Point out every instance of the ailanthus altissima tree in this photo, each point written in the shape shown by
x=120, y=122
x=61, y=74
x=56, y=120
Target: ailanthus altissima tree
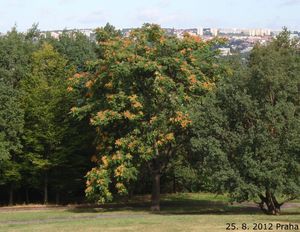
x=136, y=96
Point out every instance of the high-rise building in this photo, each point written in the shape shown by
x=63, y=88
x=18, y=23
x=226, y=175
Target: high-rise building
x=200, y=31
x=214, y=31
x=259, y=32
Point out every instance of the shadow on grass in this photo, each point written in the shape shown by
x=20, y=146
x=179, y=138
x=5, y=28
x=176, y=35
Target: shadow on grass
x=183, y=206
x=111, y=207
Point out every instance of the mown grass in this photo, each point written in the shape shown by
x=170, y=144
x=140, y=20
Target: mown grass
x=179, y=212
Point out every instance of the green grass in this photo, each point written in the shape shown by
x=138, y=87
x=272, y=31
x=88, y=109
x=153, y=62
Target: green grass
x=179, y=212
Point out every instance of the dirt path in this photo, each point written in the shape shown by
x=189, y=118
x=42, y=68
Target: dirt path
x=291, y=205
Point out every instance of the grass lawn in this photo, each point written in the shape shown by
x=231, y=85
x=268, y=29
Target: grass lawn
x=180, y=212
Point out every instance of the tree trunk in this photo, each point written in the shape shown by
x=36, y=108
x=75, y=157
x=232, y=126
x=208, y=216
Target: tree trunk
x=11, y=194
x=269, y=204
x=57, y=196
x=46, y=188
x=130, y=194
x=27, y=196
x=155, y=198
x=174, y=184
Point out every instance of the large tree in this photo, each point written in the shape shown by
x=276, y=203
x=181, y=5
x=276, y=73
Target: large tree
x=136, y=96
x=15, y=52
x=78, y=50
x=247, y=133
x=45, y=104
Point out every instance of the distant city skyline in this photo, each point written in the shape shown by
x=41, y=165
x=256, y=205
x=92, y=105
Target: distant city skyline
x=61, y=14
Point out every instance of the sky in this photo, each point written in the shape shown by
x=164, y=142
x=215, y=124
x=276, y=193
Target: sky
x=69, y=14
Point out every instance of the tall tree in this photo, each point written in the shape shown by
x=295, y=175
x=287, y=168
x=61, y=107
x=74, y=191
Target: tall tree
x=15, y=52
x=45, y=114
x=247, y=133
x=78, y=50
x=74, y=49
x=136, y=96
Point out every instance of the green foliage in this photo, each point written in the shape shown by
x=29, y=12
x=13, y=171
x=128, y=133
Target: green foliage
x=45, y=113
x=76, y=48
x=54, y=143
x=11, y=119
x=15, y=52
x=136, y=96
x=14, y=65
x=247, y=132
x=141, y=100
x=106, y=33
x=11, y=127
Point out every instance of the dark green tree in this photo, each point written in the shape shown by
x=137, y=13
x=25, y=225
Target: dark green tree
x=15, y=63
x=15, y=54
x=11, y=127
x=75, y=47
x=248, y=131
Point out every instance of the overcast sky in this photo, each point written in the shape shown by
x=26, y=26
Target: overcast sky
x=60, y=14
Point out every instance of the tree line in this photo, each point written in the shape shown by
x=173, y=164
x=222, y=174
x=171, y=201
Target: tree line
x=147, y=113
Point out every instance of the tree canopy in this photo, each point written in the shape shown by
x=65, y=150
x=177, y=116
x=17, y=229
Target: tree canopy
x=136, y=96
x=248, y=130
x=146, y=112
